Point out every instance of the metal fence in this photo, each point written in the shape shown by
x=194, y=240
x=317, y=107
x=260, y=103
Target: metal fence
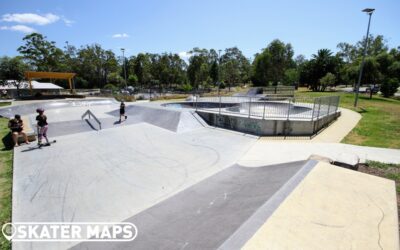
x=303, y=108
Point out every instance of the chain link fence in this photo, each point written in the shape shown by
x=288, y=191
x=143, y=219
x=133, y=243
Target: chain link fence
x=303, y=108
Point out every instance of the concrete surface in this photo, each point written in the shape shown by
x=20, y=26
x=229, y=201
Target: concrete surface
x=274, y=152
x=113, y=174
x=333, y=208
x=338, y=130
x=206, y=214
x=162, y=165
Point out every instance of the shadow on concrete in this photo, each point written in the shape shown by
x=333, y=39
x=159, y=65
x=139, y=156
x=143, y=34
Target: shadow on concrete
x=90, y=124
x=31, y=149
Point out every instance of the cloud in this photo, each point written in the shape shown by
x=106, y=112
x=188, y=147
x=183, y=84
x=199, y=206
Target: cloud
x=19, y=28
x=30, y=18
x=184, y=55
x=67, y=21
x=122, y=35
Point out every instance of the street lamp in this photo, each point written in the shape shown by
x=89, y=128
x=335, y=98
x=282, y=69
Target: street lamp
x=219, y=70
x=369, y=12
x=123, y=58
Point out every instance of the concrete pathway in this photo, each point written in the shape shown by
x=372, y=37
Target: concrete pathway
x=338, y=130
x=273, y=152
x=335, y=132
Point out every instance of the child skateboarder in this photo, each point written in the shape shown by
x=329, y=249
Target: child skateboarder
x=17, y=126
x=42, y=127
x=122, y=112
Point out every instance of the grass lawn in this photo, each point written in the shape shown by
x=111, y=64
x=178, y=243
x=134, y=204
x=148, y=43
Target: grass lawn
x=6, y=161
x=380, y=123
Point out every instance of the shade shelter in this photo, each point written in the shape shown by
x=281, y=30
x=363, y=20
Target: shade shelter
x=49, y=75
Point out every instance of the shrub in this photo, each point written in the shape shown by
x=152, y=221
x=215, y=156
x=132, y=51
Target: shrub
x=125, y=98
x=110, y=86
x=389, y=87
x=187, y=87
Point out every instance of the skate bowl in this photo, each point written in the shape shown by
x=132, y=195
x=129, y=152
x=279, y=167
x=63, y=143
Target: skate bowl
x=65, y=117
x=264, y=117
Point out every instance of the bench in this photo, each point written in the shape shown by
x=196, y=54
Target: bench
x=28, y=130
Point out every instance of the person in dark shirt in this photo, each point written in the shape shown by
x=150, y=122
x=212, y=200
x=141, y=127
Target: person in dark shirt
x=42, y=126
x=122, y=111
x=17, y=128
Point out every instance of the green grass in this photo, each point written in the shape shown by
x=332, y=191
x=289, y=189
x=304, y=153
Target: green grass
x=389, y=171
x=6, y=162
x=380, y=122
x=4, y=104
x=381, y=165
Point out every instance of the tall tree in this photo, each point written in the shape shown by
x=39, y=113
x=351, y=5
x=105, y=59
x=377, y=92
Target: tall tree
x=271, y=64
x=40, y=53
x=235, y=67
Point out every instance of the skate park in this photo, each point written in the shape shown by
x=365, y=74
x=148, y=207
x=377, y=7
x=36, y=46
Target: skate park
x=181, y=181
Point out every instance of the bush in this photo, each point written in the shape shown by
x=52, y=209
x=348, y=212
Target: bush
x=125, y=98
x=110, y=86
x=389, y=87
x=187, y=87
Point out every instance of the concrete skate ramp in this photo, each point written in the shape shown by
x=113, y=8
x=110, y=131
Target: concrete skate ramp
x=173, y=120
x=205, y=215
x=30, y=108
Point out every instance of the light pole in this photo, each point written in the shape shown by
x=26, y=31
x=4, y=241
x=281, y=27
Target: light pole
x=123, y=58
x=219, y=70
x=369, y=12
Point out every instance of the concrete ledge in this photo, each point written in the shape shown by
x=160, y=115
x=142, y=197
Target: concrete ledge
x=333, y=208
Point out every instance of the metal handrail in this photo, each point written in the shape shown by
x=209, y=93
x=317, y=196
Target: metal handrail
x=90, y=113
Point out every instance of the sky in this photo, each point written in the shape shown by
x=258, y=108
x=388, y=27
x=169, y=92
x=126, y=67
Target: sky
x=177, y=26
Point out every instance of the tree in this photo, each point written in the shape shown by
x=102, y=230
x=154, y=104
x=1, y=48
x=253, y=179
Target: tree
x=142, y=68
x=214, y=72
x=198, y=68
x=328, y=80
x=389, y=87
x=40, y=53
x=12, y=71
x=321, y=63
x=234, y=66
x=270, y=65
x=95, y=64
x=291, y=76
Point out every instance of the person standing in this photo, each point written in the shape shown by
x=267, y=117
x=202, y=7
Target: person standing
x=17, y=128
x=42, y=126
x=122, y=112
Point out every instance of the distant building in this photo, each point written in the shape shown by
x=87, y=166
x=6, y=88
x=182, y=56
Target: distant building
x=9, y=89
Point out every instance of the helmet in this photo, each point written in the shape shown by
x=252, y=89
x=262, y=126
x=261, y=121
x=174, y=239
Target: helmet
x=17, y=117
x=39, y=110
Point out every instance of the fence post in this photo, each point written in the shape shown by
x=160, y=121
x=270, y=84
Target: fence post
x=288, y=110
x=220, y=104
x=337, y=103
x=249, y=106
x=319, y=107
x=195, y=98
x=264, y=109
x=313, y=109
x=329, y=104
